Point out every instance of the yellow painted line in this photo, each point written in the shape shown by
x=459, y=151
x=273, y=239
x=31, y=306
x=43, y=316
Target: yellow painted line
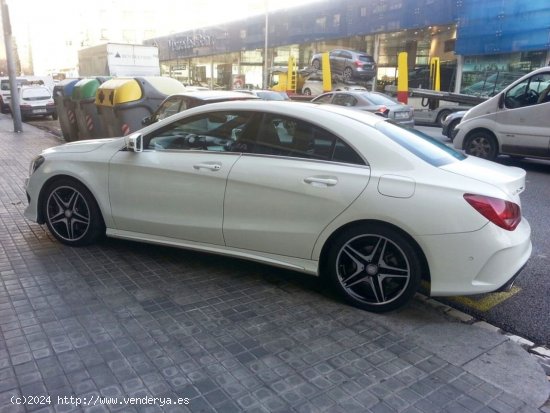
x=486, y=303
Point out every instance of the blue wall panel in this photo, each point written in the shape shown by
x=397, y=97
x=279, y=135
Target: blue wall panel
x=503, y=26
x=484, y=26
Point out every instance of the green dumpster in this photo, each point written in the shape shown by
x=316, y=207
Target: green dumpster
x=87, y=118
x=62, y=93
x=123, y=102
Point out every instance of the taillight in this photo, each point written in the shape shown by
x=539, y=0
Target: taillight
x=503, y=213
x=382, y=110
x=358, y=63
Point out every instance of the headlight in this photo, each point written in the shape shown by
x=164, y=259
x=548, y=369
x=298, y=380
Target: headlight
x=35, y=164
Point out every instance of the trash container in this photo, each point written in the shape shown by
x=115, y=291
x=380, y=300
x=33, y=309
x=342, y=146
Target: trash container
x=62, y=93
x=87, y=118
x=122, y=103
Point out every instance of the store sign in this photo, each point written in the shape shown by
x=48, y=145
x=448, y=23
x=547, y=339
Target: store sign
x=191, y=42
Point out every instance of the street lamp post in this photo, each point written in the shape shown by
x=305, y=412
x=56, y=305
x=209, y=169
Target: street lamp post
x=266, y=78
x=10, y=58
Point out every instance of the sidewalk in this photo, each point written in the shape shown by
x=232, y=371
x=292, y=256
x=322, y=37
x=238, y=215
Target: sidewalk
x=163, y=326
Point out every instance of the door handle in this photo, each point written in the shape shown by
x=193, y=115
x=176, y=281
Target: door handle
x=213, y=166
x=321, y=180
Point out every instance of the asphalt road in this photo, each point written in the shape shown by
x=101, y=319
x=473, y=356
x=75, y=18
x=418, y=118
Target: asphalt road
x=525, y=310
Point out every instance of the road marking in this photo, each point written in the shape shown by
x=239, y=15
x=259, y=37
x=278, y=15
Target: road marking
x=487, y=302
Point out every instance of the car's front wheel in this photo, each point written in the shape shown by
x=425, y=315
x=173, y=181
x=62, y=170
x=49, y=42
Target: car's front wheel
x=481, y=144
x=307, y=91
x=316, y=64
x=374, y=267
x=71, y=213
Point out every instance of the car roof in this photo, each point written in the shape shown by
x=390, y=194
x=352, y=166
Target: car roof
x=214, y=95
x=304, y=110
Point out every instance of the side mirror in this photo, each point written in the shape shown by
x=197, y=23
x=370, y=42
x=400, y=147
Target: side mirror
x=146, y=121
x=134, y=142
x=501, y=101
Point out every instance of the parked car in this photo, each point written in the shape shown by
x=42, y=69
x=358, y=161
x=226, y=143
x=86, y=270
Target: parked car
x=514, y=122
x=350, y=64
x=36, y=101
x=314, y=87
x=324, y=190
x=450, y=123
x=374, y=102
x=266, y=94
x=181, y=101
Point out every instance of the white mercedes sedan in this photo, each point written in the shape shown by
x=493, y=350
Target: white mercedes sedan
x=325, y=190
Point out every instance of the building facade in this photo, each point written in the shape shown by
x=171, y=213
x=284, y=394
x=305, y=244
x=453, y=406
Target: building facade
x=473, y=40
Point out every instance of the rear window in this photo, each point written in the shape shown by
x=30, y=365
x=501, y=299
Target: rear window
x=39, y=93
x=425, y=147
x=377, y=99
x=365, y=58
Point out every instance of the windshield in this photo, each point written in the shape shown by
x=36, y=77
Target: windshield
x=425, y=147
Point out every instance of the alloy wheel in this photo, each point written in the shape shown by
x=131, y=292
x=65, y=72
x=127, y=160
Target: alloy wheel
x=68, y=213
x=373, y=269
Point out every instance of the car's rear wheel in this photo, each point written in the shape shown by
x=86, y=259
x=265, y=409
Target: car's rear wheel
x=441, y=117
x=481, y=144
x=307, y=91
x=71, y=213
x=374, y=267
x=347, y=74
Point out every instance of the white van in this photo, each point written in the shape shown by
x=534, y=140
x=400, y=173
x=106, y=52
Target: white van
x=5, y=91
x=515, y=122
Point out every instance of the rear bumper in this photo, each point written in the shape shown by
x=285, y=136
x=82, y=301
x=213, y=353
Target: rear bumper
x=476, y=262
x=38, y=111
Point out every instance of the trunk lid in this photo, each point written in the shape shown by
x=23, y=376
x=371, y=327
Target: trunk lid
x=509, y=179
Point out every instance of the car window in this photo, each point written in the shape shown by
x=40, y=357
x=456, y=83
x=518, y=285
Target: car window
x=378, y=99
x=365, y=58
x=345, y=55
x=531, y=91
x=169, y=108
x=426, y=148
x=286, y=136
x=323, y=98
x=213, y=131
x=343, y=99
x=35, y=93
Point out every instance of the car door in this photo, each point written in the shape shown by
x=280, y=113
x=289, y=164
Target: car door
x=524, y=123
x=294, y=180
x=335, y=61
x=175, y=187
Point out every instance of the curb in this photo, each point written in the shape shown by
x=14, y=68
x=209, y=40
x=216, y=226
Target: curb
x=541, y=353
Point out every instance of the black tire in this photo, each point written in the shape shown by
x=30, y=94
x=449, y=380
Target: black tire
x=307, y=91
x=71, y=213
x=316, y=64
x=347, y=74
x=452, y=127
x=373, y=267
x=481, y=144
x=441, y=116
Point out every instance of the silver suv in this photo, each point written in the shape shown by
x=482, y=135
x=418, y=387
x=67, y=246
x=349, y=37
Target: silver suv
x=350, y=64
